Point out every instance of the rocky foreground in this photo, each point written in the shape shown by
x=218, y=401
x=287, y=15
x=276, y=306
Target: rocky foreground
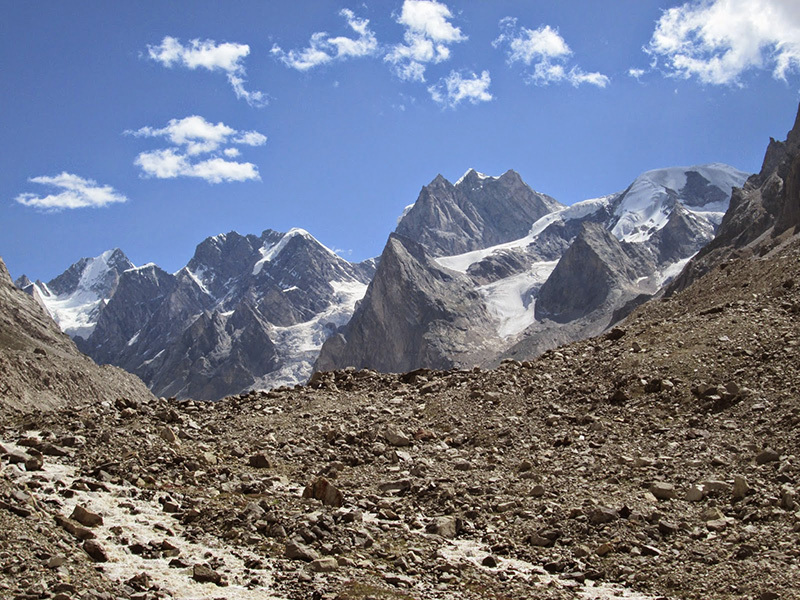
x=657, y=461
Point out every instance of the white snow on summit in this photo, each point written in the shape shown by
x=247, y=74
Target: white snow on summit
x=76, y=313
x=646, y=205
x=270, y=251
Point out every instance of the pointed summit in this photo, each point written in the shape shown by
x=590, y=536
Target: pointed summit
x=478, y=212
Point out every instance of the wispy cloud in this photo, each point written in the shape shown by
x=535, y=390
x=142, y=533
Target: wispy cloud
x=73, y=191
x=547, y=52
x=322, y=48
x=427, y=38
x=718, y=41
x=455, y=88
x=207, y=54
x=192, y=137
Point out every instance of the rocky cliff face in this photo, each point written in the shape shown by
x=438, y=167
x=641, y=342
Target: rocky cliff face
x=596, y=269
x=415, y=313
x=764, y=210
x=476, y=212
x=40, y=367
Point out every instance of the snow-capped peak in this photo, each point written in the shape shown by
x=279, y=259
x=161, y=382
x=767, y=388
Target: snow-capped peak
x=645, y=206
x=75, y=309
x=270, y=251
x=473, y=172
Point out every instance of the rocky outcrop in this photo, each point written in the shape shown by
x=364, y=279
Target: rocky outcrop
x=41, y=368
x=595, y=272
x=763, y=210
x=414, y=314
x=477, y=212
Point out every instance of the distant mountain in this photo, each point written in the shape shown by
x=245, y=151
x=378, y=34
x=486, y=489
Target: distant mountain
x=40, y=367
x=77, y=296
x=246, y=311
x=476, y=212
x=475, y=271
x=569, y=273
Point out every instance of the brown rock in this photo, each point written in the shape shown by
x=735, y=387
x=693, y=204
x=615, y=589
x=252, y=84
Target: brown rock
x=324, y=491
x=86, y=517
x=204, y=574
x=95, y=551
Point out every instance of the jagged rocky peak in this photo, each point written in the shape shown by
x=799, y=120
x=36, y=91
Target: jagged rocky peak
x=766, y=207
x=414, y=314
x=99, y=274
x=589, y=273
x=477, y=212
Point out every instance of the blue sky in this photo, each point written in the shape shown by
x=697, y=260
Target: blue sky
x=151, y=125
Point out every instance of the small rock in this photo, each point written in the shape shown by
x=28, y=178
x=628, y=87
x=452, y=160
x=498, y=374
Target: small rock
x=260, y=461
x=695, y=493
x=716, y=524
x=603, y=514
x=604, y=549
x=489, y=561
x=767, y=456
x=396, y=437
x=667, y=527
x=204, y=574
x=663, y=491
x=325, y=564
x=324, y=491
x=716, y=487
x=95, y=551
x=71, y=527
x=537, y=491
x=86, y=517
x=740, y=487
x=56, y=561
x=446, y=526
x=295, y=551
x=168, y=435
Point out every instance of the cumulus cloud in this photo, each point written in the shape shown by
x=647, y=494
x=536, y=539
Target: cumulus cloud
x=455, y=88
x=427, y=38
x=207, y=54
x=323, y=48
x=546, y=52
x=719, y=40
x=73, y=191
x=192, y=137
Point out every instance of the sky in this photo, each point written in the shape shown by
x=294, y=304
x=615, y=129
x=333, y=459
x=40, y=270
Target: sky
x=152, y=125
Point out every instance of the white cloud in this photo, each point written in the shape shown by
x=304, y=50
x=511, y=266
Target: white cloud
x=547, y=52
x=636, y=73
x=455, y=88
x=74, y=192
x=169, y=164
x=191, y=137
x=323, y=48
x=207, y=54
x=427, y=38
x=718, y=41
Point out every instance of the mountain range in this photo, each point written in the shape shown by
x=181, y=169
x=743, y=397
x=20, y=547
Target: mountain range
x=476, y=271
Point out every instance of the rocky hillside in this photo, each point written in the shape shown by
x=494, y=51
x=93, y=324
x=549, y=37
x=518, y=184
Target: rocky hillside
x=657, y=461
x=40, y=367
x=763, y=212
